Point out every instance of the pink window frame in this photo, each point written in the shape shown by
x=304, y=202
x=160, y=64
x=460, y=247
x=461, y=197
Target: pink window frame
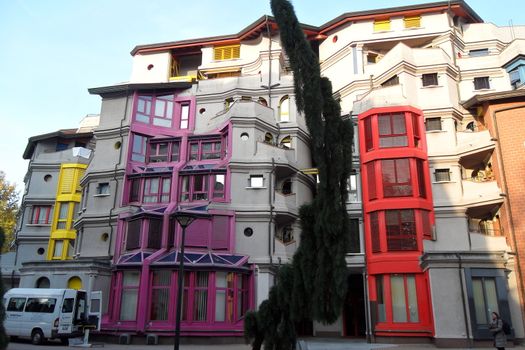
x=35, y=214
x=210, y=185
x=121, y=292
x=151, y=115
x=143, y=150
x=169, y=151
x=198, y=155
x=160, y=195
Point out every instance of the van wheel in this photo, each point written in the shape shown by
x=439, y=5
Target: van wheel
x=37, y=337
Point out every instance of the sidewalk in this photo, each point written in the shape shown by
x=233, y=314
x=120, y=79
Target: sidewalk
x=310, y=344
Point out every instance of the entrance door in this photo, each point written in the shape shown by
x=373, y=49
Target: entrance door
x=354, y=315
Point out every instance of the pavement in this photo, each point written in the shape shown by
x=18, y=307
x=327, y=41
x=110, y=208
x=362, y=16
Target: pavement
x=309, y=344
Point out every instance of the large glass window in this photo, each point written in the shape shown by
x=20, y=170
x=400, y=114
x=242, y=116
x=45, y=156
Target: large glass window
x=485, y=298
x=392, y=130
x=155, y=110
x=154, y=190
x=205, y=149
x=396, y=177
x=128, y=303
x=404, y=298
x=200, y=296
x=401, y=230
x=63, y=216
x=138, y=149
x=202, y=187
x=41, y=215
x=160, y=295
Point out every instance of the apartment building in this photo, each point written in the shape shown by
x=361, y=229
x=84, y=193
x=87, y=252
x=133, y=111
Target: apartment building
x=210, y=125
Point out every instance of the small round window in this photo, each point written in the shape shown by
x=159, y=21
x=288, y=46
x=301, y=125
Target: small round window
x=248, y=232
x=48, y=177
x=245, y=136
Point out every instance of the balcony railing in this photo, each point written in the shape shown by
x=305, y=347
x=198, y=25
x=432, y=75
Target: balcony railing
x=487, y=231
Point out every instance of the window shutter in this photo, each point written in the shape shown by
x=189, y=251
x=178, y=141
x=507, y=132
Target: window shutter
x=381, y=25
x=226, y=52
x=412, y=22
x=68, y=176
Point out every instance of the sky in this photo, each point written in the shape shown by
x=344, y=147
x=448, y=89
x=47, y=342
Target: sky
x=52, y=51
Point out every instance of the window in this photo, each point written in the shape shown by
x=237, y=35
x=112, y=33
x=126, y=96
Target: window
x=478, y=52
x=16, y=304
x=391, y=82
x=184, y=116
x=352, y=188
x=58, y=247
x=412, y=21
x=133, y=234
x=430, y=79
x=442, y=175
x=62, y=216
x=515, y=79
x=156, y=110
x=163, y=152
x=371, y=180
x=256, y=181
x=226, y=52
x=433, y=124
x=157, y=190
x=392, y=130
x=160, y=295
x=128, y=303
x=404, y=298
x=286, y=187
x=481, y=83
x=41, y=215
x=284, y=109
x=354, y=245
x=268, y=138
x=286, y=142
x=103, y=189
x=206, y=149
x=41, y=305
x=375, y=234
x=369, y=141
x=42, y=282
x=380, y=295
x=396, y=177
x=285, y=234
x=138, y=149
x=154, y=233
x=421, y=169
x=401, y=230
x=381, y=25
x=202, y=187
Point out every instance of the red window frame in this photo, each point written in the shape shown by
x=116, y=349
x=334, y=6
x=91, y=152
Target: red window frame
x=391, y=132
x=39, y=210
x=369, y=139
x=375, y=232
x=401, y=231
x=371, y=180
x=412, y=295
x=396, y=176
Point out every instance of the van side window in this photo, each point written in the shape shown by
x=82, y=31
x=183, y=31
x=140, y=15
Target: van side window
x=16, y=304
x=67, y=306
x=45, y=305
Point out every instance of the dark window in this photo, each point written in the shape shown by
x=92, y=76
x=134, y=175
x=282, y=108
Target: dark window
x=41, y=305
x=206, y=149
x=371, y=180
x=391, y=82
x=421, y=169
x=155, y=233
x=67, y=305
x=481, y=83
x=515, y=79
x=478, y=52
x=396, y=177
x=353, y=238
x=158, y=152
x=430, y=79
x=202, y=187
x=61, y=146
x=138, y=149
x=374, y=228
x=442, y=175
x=392, y=130
x=134, y=193
x=133, y=236
x=400, y=229
x=433, y=124
x=16, y=304
x=369, y=142
x=103, y=188
x=427, y=226
x=381, y=308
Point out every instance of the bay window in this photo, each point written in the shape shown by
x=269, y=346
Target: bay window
x=144, y=232
x=205, y=149
x=150, y=189
x=401, y=230
x=202, y=187
x=396, y=177
x=392, y=130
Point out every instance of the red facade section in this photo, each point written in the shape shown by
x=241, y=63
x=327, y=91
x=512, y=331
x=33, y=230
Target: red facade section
x=398, y=216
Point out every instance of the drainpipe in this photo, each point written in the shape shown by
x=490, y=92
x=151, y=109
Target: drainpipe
x=270, y=200
x=507, y=199
x=269, y=62
x=460, y=275
x=115, y=173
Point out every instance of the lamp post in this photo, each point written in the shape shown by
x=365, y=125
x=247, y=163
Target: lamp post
x=184, y=218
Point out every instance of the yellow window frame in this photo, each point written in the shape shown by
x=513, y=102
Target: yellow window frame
x=381, y=25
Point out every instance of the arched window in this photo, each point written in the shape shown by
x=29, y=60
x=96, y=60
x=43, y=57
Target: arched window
x=286, y=142
x=284, y=109
x=287, y=187
x=42, y=282
x=263, y=101
x=74, y=283
x=268, y=138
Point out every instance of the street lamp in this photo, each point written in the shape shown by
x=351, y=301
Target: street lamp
x=184, y=218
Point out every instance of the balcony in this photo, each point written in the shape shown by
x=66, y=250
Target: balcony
x=478, y=192
x=474, y=144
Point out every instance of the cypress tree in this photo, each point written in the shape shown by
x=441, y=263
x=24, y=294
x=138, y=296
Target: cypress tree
x=314, y=285
x=3, y=336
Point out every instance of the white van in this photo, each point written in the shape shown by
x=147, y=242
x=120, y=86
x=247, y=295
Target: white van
x=50, y=313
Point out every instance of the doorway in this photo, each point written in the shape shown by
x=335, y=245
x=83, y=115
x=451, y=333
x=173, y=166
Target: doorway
x=354, y=314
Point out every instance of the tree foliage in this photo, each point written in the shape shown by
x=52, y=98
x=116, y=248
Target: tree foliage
x=3, y=336
x=314, y=285
x=8, y=209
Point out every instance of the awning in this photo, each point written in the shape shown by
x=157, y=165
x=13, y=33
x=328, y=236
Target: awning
x=199, y=260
